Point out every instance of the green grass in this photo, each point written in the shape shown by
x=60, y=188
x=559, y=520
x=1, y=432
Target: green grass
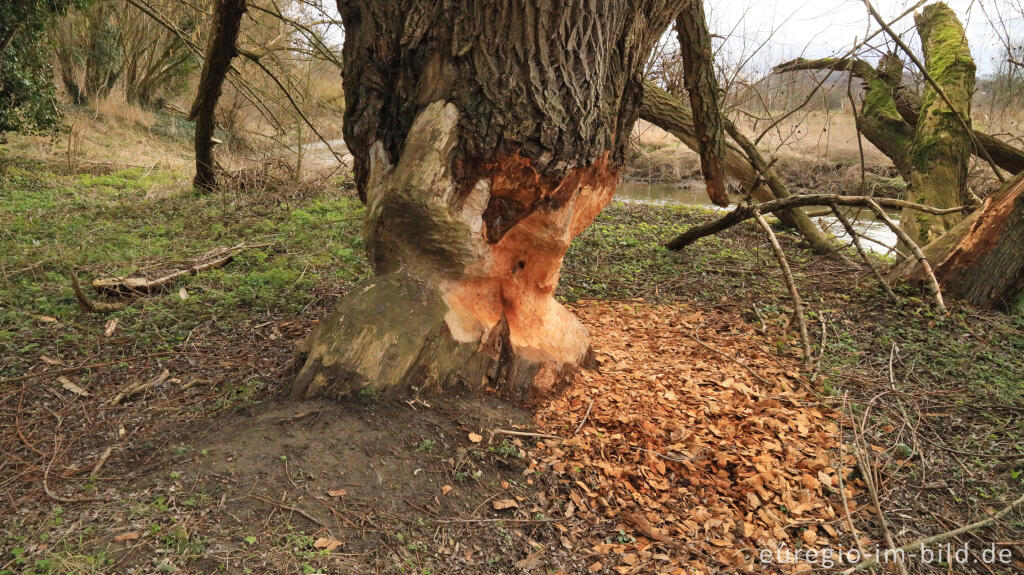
x=52, y=224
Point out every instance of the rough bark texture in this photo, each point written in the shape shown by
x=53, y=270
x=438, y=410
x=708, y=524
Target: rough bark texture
x=218, y=60
x=485, y=136
x=675, y=117
x=702, y=88
x=981, y=260
x=942, y=147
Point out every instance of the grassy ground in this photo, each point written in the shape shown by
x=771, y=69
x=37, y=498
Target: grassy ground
x=933, y=404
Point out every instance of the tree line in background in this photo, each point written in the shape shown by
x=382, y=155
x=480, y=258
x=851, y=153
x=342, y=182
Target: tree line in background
x=149, y=54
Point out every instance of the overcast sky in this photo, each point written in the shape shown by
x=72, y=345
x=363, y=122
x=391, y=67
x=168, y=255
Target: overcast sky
x=818, y=28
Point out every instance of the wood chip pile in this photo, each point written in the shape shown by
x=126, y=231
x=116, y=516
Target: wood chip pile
x=686, y=451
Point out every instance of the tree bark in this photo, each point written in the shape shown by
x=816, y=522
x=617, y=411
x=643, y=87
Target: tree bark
x=702, y=88
x=981, y=260
x=485, y=136
x=215, y=67
x=675, y=117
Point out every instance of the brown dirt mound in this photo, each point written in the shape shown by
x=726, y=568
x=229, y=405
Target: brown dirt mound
x=687, y=449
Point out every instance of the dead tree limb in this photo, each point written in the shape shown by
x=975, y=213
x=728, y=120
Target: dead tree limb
x=746, y=211
x=798, y=304
x=914, y=249
x=702, y=87
x=747, y=165
x=219, y=54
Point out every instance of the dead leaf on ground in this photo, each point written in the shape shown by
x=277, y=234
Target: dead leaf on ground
x=110, y=327
x=446, y=489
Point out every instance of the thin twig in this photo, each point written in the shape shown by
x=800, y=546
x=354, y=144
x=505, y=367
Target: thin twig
x=585, y=416
x=798, y=303
x=286, y=508
x=525, y=434
x=850, y=231
x=68, y=370
x=939, y=538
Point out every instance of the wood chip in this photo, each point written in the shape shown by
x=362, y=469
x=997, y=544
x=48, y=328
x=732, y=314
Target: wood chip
x=500, y=504
x=475, y=437
x=127, y=536
x=328, y=544
x=72, y=386
x=337, y=492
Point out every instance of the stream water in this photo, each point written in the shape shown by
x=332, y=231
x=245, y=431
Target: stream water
x=880, y=238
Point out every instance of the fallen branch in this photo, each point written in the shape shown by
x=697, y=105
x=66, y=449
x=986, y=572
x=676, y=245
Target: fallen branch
x=525, y=434
x=860, y=250
x=139, y=387
x=93, y=306
x=156, y=279
x=914, y=249
x=746, y=212
x=798, y=304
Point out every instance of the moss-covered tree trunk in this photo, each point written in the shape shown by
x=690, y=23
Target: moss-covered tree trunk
x=942, y=142
x=981, y=260
x=485, y=136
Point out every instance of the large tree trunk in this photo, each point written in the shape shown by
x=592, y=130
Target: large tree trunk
x=932, y=151
x=942, y=142
x=219, y=54
x=485, y=136
x=981, y=260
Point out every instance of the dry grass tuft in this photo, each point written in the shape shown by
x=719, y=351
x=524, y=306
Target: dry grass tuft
x=115, y=106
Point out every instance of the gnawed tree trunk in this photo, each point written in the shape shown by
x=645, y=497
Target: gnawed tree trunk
x=485, y=136
x=981, y=260
x=215, y=67
x=942, y=145
x=675, y=117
